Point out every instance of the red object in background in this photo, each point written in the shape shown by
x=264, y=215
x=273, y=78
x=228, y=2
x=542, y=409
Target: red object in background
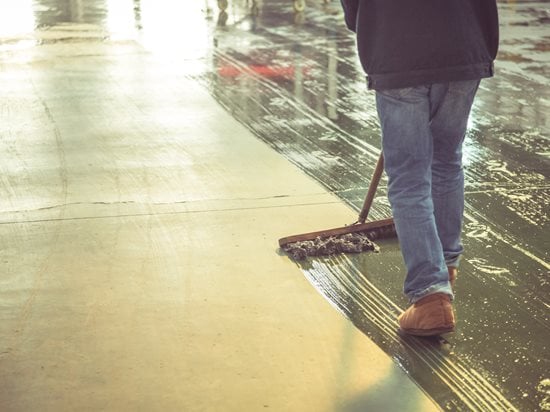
x=262, y=70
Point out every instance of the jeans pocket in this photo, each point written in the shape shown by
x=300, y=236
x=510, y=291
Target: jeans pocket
x=404, y=120
x=405, y=93
x=464, y=87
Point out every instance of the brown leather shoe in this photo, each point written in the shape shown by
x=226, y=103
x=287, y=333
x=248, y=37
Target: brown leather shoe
x=432, y=315
x=453, y=274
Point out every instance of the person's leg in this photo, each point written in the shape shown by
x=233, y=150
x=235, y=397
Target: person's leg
x=407, y=146
x=451, y=104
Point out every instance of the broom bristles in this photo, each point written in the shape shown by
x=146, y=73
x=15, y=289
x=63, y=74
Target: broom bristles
x=356, y=242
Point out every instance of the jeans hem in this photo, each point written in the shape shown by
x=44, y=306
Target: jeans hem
x=442, y=287
x=453, y=262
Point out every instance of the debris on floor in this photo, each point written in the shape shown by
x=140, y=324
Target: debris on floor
x=348, y=243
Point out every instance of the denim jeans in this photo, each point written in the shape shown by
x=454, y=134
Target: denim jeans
x=423, y=129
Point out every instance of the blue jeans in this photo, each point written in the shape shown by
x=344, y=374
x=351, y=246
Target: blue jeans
x=423, y=129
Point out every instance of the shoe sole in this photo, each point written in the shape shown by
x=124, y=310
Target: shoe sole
x=428, y=332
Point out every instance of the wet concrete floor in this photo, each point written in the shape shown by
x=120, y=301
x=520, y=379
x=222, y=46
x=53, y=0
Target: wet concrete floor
x=293, y=79
x=137, y=224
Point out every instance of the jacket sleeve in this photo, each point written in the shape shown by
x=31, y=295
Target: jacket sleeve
x=350, y=13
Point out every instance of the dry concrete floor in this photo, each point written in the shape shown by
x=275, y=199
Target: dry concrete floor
x=138, y=229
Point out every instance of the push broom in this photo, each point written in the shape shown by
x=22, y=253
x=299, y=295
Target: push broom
x=355, y=238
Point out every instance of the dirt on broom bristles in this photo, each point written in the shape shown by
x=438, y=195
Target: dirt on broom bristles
x=349, y=243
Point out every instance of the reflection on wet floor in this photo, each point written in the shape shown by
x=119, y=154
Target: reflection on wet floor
x=294, y=80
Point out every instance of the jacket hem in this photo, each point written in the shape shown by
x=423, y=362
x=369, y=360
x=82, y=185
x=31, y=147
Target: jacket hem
x=420, y=77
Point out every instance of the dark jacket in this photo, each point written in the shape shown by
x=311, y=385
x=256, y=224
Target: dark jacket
x=403, y=43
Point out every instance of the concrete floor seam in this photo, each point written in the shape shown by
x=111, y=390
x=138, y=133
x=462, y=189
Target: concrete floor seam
x=187, y=212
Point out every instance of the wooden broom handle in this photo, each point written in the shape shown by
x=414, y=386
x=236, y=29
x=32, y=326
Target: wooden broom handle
x=378, y=170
